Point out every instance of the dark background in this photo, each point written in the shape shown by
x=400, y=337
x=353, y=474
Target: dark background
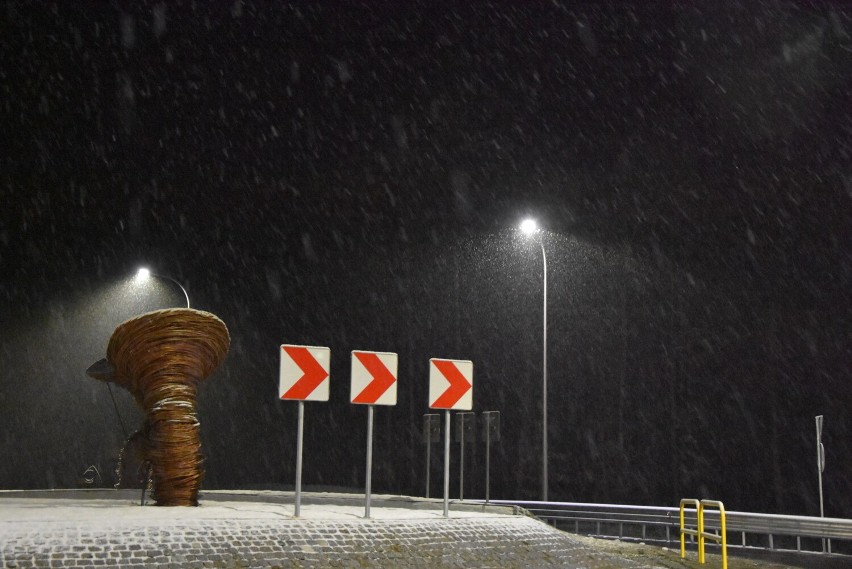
x=351, y=175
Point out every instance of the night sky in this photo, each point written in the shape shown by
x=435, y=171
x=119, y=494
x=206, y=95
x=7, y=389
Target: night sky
x=352, y=176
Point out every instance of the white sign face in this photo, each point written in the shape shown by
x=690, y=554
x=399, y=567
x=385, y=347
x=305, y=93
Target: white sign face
x=451, y=384
x=373, y=378
x=304, y=373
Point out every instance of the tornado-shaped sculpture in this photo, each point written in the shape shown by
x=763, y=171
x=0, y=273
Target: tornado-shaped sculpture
x=161, y=357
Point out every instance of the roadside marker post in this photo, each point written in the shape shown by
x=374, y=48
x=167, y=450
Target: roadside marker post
x=303, y=375
x=450, y=387
x=431, y=434
x=465, y=422
x=374, y=376
x=491, y=428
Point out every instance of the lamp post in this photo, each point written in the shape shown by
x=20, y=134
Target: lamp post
x=529, y=227
x=143, y=274
x=103, y=370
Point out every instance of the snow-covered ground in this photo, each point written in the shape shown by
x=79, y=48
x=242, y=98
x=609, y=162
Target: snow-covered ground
x=124, y=506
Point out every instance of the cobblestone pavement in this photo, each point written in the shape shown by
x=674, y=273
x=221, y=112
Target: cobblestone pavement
x=484, y=541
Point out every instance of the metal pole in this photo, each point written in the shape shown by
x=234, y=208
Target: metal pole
x=369, y=460
x=820, y=464
x=428, y=459
x=177, y=283
x=544, y=379
x=820, y=468
x=487, y=457
x=461, y=460
x=447, y=464
x=299, y=434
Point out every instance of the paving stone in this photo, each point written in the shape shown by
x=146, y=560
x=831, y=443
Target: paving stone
x=499, y=541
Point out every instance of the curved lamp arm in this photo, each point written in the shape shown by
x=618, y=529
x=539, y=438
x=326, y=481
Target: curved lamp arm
x=145, y=273
x=183, y=290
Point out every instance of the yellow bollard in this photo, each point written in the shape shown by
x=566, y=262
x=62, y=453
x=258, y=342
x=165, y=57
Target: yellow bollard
x=722, y=538
x=683, y=531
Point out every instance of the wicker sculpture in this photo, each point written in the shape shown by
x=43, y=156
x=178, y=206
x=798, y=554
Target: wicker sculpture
x=161, y=357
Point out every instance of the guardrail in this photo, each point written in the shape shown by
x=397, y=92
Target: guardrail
x=660, y=524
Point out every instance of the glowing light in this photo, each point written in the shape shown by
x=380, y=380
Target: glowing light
x=529, y=226
x=144, y=273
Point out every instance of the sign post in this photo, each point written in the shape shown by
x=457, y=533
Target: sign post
x=450, y=387
x=373, y=383
x=820, y=470
x=464, y=426
x=303, y=376
x=431, y=434
x=447, y=463
x=491, y=428
x=368, y=481
x=300, y=430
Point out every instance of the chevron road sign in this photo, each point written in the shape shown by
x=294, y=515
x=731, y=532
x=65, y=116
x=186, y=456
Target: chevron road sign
x=304, y=373
x=373, y=378
x=451, y=384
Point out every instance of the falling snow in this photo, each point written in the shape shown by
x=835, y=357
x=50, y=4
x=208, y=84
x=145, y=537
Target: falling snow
x=352, y=178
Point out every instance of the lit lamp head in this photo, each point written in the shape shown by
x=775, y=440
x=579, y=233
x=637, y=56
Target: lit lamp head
x=529, y=226
x=143, y=274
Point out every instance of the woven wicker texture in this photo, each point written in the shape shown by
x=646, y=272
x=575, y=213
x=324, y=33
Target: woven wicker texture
x=161, y=357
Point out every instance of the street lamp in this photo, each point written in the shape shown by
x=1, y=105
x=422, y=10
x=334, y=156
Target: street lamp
x=143, y=274
x=530, y=227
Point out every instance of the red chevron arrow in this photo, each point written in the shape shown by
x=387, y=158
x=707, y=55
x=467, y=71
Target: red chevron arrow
x=459, y=385
x=314, y=373
x=382, y=378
